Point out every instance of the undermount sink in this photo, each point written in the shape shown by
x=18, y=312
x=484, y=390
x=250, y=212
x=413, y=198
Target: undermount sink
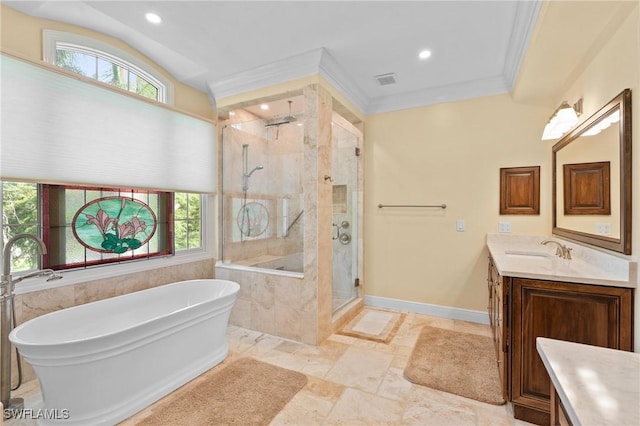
x=526, y=253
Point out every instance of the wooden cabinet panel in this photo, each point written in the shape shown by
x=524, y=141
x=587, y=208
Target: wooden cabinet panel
x=590, y=314
x=520, y=190
x=497, y=320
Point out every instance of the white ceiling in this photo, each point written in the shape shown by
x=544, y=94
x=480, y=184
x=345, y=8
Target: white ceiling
x=227, y=47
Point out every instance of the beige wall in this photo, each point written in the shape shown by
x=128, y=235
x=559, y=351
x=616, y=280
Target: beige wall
x=451, y=153
x=22, y=34
x=448, y=153
x=615, y=68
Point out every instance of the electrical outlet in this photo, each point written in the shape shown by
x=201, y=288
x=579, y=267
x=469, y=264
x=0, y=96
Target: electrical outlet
x=603, y=228
x=460, y=225
x=504, y=226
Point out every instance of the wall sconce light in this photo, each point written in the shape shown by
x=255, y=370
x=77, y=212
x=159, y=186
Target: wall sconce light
x=563, y=119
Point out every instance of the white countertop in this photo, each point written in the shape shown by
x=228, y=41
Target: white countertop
x=524, y=256
x=597, y=386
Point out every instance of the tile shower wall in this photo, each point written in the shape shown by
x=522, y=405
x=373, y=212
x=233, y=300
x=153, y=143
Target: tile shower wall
x=298, y=308
x=278, y=183
x=31, y=305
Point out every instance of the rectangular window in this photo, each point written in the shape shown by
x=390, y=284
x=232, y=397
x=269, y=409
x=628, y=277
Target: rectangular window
x=187, y=221
x=87, y=226
x=20, y=216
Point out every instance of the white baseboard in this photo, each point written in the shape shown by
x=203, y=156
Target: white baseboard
x=427, y=309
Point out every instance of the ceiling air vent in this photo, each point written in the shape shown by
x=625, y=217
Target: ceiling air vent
x=386, y=79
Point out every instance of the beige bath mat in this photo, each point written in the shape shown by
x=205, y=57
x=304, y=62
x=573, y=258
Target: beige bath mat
x=247, y=392
x=373, y=324
x=459, y=363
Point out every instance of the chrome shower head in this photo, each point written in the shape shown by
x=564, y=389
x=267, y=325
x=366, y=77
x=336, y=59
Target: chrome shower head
x=284, y=120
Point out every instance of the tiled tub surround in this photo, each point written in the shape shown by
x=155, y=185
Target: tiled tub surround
x=291, y=262
x=524, y=256
x=275, y=303
x=34, y=304
x=597, y=386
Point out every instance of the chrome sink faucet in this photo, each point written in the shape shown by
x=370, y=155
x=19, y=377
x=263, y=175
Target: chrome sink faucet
x=561, y=251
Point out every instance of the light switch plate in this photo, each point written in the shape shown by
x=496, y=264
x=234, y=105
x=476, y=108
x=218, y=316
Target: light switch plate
x=460, y=225
x=504, y=226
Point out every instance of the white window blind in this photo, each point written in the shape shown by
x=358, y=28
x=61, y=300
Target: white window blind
x=58, y=129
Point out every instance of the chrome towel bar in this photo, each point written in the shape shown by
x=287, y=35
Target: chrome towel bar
x=440, y=206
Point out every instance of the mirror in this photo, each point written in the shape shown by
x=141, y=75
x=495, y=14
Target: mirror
x=592, y=179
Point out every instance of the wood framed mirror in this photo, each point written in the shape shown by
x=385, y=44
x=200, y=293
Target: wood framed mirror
x=592, y=179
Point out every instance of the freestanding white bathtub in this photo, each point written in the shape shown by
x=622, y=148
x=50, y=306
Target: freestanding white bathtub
x=101, y=362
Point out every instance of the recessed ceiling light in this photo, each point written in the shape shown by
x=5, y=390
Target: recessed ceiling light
x=153, y=18
x=264, y=107
x=424, y=54
x=231, y=113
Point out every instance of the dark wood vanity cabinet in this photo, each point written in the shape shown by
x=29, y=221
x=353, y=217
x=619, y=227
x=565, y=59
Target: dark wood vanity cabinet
x=582, y=313
x=497, y=309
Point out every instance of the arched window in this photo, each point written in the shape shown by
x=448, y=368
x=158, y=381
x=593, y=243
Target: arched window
x=105, y=63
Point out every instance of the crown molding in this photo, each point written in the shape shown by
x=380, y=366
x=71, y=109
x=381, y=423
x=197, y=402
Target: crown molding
x=523, y=23
x=319, y=61
x=316, y=61
x=288, y=69
x=453, y=92
x=333, y=73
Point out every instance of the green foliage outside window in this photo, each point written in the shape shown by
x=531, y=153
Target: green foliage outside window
x=105, y=71
x=20, y=215
x=186, y=223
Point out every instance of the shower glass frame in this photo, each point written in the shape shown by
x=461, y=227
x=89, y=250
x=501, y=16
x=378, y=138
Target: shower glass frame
x=262, y=190
x=347, y=211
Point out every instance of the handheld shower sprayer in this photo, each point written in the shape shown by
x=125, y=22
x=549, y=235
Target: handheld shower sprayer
x=246, y=176
x=254, y=169
x=245, y=167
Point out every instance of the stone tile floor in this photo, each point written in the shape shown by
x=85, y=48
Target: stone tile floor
x=351, y=381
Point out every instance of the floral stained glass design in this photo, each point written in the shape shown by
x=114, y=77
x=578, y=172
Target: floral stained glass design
x=114, y=224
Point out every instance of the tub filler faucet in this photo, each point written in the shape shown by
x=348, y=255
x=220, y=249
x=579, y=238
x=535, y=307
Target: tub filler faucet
x=561, y=251
x=7, y=319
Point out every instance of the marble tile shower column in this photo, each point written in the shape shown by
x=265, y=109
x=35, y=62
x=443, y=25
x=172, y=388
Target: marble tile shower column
x=318, y=203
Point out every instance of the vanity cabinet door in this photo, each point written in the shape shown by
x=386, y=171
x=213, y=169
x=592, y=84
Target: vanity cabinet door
x=581, y=313
x=497, y=309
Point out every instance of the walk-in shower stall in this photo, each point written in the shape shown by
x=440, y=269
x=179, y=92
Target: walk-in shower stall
x=263, y=203
x=290, y=212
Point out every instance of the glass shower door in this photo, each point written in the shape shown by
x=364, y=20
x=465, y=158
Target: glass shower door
x=346, y=194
